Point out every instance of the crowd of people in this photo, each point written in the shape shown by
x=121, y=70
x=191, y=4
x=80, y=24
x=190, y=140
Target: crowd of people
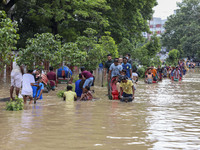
x=153, y=75
x=120, y=73
x=121, y=77
x=34, y=82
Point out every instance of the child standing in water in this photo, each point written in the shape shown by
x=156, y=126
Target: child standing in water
x=38, y=89
x=69, y=95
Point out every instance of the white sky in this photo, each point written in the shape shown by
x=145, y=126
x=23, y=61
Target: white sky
x=165, y=8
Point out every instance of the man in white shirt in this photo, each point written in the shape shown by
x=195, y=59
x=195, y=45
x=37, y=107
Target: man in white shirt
x=16, y=79
x=28, y=82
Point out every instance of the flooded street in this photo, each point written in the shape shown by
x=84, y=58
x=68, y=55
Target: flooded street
x=163, y=116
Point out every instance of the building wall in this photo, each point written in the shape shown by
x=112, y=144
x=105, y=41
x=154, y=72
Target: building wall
x=156, y=25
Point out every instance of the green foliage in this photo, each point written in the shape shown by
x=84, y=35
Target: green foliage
x=153, y=46
x=68, y=18
x=60, y=94
x=44, y=47
x=8, y=39
x=72, y=54
x=156, y=61
x=125, y=47
x=128, y=18
x=16, y=105
x=141, y=71
x=146, y=54
x=183, y=29
x=96, y=51
x=107, y=43
x=173, y=57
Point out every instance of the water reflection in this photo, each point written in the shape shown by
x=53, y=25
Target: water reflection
x=162, y=116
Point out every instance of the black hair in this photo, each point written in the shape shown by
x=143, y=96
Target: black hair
x=109, y=55
x=87, y=87
x=123, y=70
x=124, y=78
x=134, y=69
x=129, y=55
x=116, y=59
x=80, y=75
x=30, y=71
x=51, y=68
x=125, y=58
x=69, y=88
x=91, y=71
x=82, y=68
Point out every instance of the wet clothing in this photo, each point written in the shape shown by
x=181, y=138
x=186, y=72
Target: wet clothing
x=135, y=77
x=176, y=74
x=127, y=87
x=26, y=86
x=52, y=78
x=88, y=82
x=149, y=78
x=115, y=70
x=108, y=64
x=16, y=76
x=78, y=90
x=87, y=96
x=41, y=85
x=127, y=67
x=154, y=72
x=165, y=72
x=70, y=95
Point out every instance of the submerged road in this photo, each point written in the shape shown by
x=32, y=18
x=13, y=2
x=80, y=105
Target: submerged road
x=163, y=116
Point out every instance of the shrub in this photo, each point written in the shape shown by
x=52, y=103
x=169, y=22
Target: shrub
x=15, y=105
x=141, y=71
x=60, y=94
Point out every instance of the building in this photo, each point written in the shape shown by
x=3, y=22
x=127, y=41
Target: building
x=156, y=25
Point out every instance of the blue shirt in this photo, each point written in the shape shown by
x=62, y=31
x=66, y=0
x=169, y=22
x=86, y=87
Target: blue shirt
x=38, y=93
x=78, y=90
x=115, y=70
x=127, y=67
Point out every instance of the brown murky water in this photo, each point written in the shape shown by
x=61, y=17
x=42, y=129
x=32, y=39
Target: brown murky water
x=163, y=116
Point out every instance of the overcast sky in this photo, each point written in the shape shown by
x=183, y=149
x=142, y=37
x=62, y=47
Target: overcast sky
x=165, y=8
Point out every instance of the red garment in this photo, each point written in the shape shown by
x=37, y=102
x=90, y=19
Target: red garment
x=52, y=78
x=86, y=74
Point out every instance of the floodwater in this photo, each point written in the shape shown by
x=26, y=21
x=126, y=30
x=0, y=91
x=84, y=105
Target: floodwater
x=163, y=116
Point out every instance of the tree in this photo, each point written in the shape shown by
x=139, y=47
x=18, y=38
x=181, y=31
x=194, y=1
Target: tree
x=173, y=57
x=129, y=18
x=153, y=46
x=95, y=50
x=72, y=54
x=183, y=29
x=146, y=54
x=125, y=47
x=44, y=47
x=68, y=18
x=108, y=46
x=8, y=40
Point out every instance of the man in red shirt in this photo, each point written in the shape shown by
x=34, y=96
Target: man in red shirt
x=52, y=78
x=87, y=76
